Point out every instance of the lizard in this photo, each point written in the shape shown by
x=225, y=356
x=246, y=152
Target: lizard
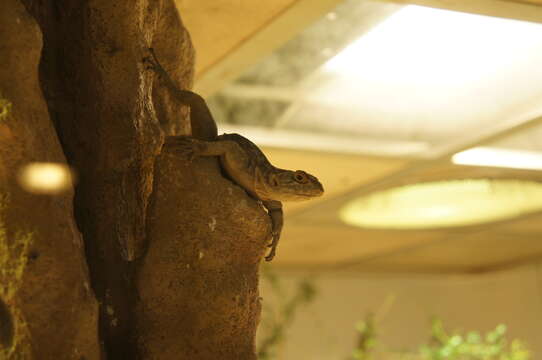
x=241, y=160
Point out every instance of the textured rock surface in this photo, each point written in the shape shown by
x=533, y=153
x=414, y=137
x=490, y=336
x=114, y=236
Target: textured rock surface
x=174, y=48
x=178, y=284
x=199, y=280
x=99, y=97
x=47, y=309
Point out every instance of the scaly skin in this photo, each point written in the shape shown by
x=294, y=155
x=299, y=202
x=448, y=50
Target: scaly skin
x=242, y=160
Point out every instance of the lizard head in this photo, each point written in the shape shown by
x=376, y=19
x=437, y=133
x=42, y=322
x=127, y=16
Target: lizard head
x=295, y=186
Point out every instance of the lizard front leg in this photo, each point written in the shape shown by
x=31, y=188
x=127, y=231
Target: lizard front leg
x=274, y=208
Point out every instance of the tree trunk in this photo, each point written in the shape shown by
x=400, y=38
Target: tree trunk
x=173, y=248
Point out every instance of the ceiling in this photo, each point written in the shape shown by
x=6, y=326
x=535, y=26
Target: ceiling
x=268, y=72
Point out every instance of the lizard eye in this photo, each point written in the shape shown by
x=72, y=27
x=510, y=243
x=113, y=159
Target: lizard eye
x=300, y=177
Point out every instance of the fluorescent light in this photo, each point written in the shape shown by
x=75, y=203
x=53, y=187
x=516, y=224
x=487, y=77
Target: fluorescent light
x=495, y=157
x=444, y=204
x=428, y=75
x=435, y=47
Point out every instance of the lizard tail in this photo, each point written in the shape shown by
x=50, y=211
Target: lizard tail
x=201, y=120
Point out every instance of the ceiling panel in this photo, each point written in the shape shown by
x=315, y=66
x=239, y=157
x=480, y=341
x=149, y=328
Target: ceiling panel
x=321, y=245
x=217, y=27
x=479, y=248
x=529, y=139
x=421, y=80
x=528, y=225
x=476, y=252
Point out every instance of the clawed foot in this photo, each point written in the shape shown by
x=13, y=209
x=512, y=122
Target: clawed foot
x=151, y=62
x=273, y=246
x=187, y=147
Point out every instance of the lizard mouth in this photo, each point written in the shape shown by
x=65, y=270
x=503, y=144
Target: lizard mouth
x=303, y=197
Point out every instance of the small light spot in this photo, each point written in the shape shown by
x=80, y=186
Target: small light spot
x=5, y=107
x=110, y=310
x=115, y=322
x=212, y=224
x=46, y=178
x=200, y=255
x=86, y=286
x=331, y=16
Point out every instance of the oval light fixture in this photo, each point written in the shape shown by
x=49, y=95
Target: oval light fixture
x=444, y=204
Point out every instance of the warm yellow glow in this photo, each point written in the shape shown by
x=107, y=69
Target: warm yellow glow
x=429, y=75
x=45, y=178
x=444, y=204
x=420, y=45
x=487, y=156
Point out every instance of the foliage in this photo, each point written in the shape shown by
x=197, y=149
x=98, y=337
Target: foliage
x=472, y=345
x=447, y=346
x=277, y=322
x=366, y=338
x=5, y=107
x=442, y=344
x=14, y=247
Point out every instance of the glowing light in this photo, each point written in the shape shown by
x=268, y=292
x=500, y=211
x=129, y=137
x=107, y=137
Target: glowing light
x=429, y=46
x=429, y=75
x=46, y=178
x=444, y=204
x=487, y=156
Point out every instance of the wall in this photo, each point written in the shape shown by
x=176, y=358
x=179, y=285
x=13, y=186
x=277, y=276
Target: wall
x=325, y=329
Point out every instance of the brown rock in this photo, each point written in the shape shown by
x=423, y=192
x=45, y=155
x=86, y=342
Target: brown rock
x=100, y=98
x=173, y=46
x=199, y=281
x=178, y=284
x=47, y=309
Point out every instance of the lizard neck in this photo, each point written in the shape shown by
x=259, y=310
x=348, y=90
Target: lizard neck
x=263, y=181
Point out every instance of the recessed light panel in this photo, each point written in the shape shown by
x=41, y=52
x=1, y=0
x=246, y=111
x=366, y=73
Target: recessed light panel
x=397, y=80
x=428, y=75
x=444, y=204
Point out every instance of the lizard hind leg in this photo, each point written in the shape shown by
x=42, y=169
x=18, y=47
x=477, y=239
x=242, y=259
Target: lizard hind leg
x=273, y=250
x=274, y=208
